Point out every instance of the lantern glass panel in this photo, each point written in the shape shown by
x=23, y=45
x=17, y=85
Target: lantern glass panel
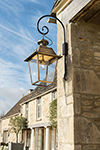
x=33, y=69
x=51, y=71
x=42, y=71
x=46, y=69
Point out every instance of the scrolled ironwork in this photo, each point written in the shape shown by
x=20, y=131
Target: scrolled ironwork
x=47, y=27
x=65, y=45
x=44, y=27
x=50, y=41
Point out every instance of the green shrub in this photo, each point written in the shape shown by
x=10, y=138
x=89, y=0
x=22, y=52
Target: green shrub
x=53, y=113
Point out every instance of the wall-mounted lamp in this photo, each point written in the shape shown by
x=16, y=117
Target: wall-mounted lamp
x=43, y=61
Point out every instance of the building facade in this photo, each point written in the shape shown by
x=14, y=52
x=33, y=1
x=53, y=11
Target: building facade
x=39, y=135
x=78, y=97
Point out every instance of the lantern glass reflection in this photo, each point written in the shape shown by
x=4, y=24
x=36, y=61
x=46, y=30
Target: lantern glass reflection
x=33, y=69
x=46, y=69
x=42, y=68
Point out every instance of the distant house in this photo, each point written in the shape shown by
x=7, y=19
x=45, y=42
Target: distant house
x=35, y=107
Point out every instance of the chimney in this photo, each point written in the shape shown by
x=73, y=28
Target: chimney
x=30, y=90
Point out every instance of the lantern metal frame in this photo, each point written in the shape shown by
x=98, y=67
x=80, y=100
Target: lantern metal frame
x=38, y=52
x=64, y=45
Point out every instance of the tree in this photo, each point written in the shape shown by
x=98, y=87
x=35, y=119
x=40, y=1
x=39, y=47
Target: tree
x=53, y=113
x=16, y=124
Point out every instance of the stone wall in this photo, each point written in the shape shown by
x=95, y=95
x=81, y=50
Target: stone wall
x=65, y=110
x=86, y=85
x=32, y=119
x=79, y=96
x=5, y=127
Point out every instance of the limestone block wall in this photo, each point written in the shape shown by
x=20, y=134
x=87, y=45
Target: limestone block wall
x=79, y=96
x=23, y=107
x=32, y=112
x=85, y=39
x=46, y=100
x=5, y=127
x=32, y=119
x=65, y=104
x=4, y=124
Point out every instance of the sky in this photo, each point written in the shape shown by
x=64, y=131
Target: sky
x=18, y=39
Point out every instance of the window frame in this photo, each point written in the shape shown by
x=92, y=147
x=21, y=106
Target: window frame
x=54, y=139
x=27, y=111
x=28, y=137
x=39, y=109
x=5, y=136
x=39, y=138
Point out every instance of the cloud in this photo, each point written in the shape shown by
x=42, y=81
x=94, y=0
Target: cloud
x=39, y=2
x=35, y=1
x=14, y=82
x=11, y=6
x=9, y=96
x=4, y=107
x=18, y=37
x=17, y=45
x=16, y=33
x=12, y=74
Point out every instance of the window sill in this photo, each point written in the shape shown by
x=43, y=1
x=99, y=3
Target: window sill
x=38, y=119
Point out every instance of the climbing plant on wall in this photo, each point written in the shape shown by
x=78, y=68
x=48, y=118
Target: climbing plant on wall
x=53, y=113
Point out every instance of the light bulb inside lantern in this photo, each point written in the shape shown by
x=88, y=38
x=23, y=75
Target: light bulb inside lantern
x=43, y=67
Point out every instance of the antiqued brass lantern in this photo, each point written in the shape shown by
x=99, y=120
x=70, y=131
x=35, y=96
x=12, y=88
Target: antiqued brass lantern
x=42, y=64
x=43, y=61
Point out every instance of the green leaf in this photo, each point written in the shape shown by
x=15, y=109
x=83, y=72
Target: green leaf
x=16, y=124
x=53, y=113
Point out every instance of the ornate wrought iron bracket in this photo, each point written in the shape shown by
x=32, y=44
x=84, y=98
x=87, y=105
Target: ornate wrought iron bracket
x=64, y=45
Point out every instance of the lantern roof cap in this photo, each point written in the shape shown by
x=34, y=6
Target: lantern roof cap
x=42, y=50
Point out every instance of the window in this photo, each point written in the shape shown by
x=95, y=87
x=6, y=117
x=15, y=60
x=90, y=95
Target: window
x=28, y=138
x=39, y=108
x=27, y=110
x=39, y=139
x=54, y=95
x=5, y=136
x=54, y=140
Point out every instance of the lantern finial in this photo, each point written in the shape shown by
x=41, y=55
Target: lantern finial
x=43, y=42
